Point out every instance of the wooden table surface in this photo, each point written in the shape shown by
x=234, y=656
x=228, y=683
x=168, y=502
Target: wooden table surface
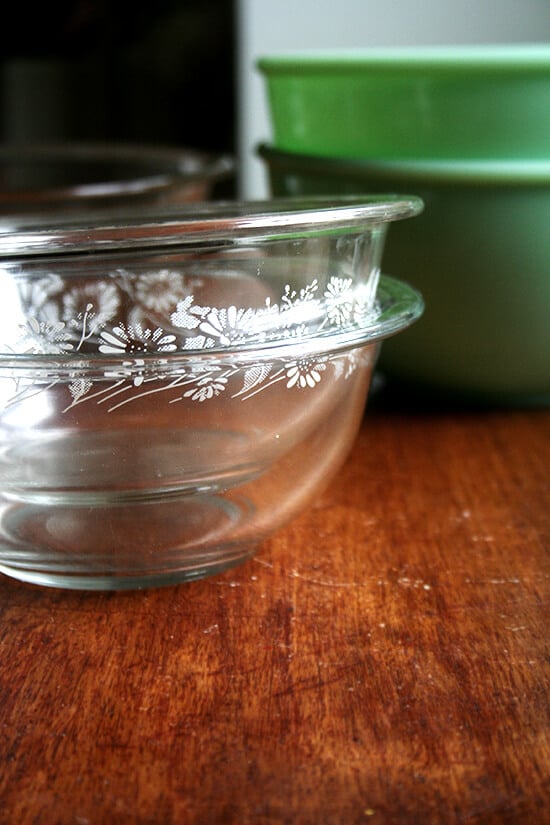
x=384, y=659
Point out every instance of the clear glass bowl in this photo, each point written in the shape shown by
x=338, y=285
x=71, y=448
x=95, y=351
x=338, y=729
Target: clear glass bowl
x=173, y=388
x=72, y=176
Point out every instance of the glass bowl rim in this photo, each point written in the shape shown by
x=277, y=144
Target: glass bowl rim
x=398, y=305
x=209, y=223
x=163, y=165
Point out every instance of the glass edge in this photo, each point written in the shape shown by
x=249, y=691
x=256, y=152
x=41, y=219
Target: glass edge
x=185, y=227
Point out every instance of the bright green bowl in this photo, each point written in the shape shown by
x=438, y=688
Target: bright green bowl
x=480, y=255
x=445, y=102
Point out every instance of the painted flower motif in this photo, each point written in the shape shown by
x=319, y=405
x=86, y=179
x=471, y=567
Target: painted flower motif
x=37, y=294
x=304, y=372
x=47, y=338
x=291, y=298
x=197, y=342
x=65, y=318
x=300, y=307
x=297, y=331
x=187, y=314
x=229, y=326
x=209, y=386
x=159, y=291
x=133, y=339
x=339, y=300
x=365, y=309
x=101, y=302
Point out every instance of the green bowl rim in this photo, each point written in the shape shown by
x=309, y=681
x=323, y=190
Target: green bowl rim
x=466, y=172
x=464, y=58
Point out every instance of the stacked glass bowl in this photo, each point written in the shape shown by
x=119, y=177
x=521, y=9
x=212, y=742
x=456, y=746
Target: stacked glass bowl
x=176, y=384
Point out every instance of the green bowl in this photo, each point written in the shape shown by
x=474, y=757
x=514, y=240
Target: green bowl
x=480, y=255
x=430, y=102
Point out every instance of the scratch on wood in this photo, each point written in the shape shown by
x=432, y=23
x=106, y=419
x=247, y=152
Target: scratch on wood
x=263, y=562
x=211, y=629
x=404, y=581
x=295, y=574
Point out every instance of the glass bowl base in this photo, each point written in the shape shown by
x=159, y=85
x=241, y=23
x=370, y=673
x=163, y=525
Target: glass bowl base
x=119, y=542
x=121, y=581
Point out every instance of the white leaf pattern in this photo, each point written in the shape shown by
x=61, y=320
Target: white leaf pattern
x=80, y=387
x=255, y=376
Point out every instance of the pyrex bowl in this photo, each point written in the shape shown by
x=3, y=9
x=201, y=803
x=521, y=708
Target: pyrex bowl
x=173, y=389
x=72, y=176
x=480, y=255
x=414, y=102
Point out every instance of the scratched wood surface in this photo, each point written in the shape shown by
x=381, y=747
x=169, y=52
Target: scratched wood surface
x=382, y=660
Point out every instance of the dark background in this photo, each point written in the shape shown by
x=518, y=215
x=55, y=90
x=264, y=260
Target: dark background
x=158, y=73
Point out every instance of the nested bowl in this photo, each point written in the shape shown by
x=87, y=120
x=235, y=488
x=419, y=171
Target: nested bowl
x=76, y=176
x=417, y=102
x=174, y=388
x=479, y=254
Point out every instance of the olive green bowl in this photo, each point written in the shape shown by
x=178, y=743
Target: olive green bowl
x=431, y=102
x=480, y=255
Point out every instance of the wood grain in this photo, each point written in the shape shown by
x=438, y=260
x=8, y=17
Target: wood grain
x=384, y=659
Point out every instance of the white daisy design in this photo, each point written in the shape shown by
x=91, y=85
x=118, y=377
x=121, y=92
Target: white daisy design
x=101, y=302
x=133, y=339
x=37, y=294
x=45, y=337
x=304, y=372
x=209, y=386
x=66, y=315
x=159, y=291
x=339, y=299
x=229, y=326
x=187, y=314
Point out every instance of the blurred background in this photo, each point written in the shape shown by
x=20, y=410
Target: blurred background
x=120, y=71
x=183, y=71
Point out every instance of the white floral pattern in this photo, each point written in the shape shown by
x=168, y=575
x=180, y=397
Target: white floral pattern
x=46, y=337
x=122, y=339
x=339, y=296
x=100, y=305
x=209, y=386
x=159, y=291
x=84, y=317
x=305, y=372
